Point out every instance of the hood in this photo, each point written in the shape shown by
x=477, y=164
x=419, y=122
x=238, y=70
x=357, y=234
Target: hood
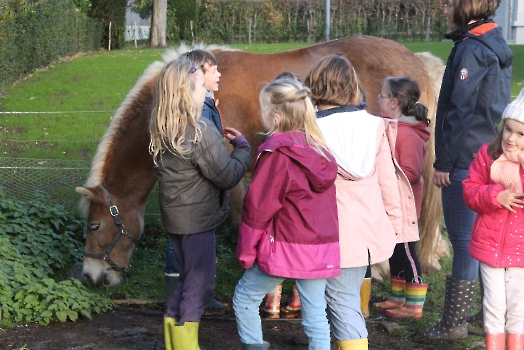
x=489, y=34
x=320, y=172
x=419, y=127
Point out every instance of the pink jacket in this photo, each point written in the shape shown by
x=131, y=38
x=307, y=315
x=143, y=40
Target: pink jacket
x=369, y=209
x=497, y=238
x=408, y=157
x=289, y=220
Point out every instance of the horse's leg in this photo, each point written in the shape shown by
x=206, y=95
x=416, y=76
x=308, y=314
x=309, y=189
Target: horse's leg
x=236, y=198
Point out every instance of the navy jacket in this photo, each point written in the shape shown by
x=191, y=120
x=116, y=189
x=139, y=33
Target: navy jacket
x=210, y=112
x=475, y=90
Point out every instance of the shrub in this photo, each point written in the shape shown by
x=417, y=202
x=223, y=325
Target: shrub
x=36, y=241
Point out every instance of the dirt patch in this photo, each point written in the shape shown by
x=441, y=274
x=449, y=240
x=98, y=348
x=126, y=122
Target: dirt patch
x=135, y=328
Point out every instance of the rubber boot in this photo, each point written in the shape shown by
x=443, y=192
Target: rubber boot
x=515, y=341
x=171, y=284
x=496, y=341
x=415, y=298
x=214, y=307
x=271, y=308
x=355, y=344
x=397, y=298
x=453, y=325
x=183, y=337
x=365, y=295
x=169, y=327
x=263, y=346
x=294, y=308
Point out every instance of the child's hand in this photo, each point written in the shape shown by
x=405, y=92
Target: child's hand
x=230, y=133
x=510, y=200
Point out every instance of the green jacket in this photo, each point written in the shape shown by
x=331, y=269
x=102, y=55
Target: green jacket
x=193, y=188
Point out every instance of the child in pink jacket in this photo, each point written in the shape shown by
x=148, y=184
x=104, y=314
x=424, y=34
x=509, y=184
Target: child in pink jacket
x=494, y=189
x=289, y=222
x=368, y=200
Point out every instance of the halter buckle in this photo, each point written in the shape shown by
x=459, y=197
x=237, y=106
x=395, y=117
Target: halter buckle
x=113, y=210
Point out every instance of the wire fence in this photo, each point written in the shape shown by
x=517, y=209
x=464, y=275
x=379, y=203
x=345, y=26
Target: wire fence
x=21, y=177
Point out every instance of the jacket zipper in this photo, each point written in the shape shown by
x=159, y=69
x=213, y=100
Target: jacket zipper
x=272, y=241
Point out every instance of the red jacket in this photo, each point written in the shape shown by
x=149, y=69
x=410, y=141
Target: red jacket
x=497, y=238
x=410, y=152
x=289, y=219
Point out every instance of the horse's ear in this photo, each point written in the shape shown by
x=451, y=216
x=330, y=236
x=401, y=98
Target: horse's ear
x=86, y=191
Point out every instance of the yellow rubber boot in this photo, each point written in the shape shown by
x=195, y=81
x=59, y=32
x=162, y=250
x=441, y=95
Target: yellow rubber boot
x=355, y=344
x=365, y=295
x=169, y=327
x=186, y=336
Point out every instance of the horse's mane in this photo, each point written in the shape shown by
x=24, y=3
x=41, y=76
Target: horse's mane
x=97, y=174
x=174, y=53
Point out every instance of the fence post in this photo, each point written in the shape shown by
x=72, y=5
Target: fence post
x=249, y=31
x=134, y=33
x=109, y=47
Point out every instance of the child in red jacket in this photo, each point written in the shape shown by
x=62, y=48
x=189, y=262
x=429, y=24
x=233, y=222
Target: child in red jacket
x=398, y=101
x=493, y=189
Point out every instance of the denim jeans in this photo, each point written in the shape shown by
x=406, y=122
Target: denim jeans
x=459, y=223
x=252, y=288
x=343, y=304
x=171, y=265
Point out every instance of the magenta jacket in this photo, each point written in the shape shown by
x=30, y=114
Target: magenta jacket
x=289, y=220
x=497, y=238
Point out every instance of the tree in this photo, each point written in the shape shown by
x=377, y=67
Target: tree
x=157, y=35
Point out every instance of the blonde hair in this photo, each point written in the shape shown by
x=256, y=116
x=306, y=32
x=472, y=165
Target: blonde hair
x=333, y=81
x=291, y=101
x=174, y=109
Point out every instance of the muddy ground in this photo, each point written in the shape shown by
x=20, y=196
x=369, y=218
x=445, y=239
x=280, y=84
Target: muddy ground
x=140, y=329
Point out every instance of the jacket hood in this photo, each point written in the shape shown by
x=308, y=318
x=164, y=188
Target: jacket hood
x=320, y=172
x=488, y=33
x=419, y=127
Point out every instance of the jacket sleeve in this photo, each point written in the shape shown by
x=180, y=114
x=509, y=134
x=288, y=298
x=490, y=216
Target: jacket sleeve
x=389, y=185
x=459, y=117
x=263, y=201
x=410, y=154
x=215, y=163
x=480, y=193
x=248, y=239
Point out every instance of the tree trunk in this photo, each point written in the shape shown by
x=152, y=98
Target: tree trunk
x=157, y=35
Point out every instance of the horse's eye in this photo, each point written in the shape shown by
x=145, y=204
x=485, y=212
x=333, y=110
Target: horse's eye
x=94, y=227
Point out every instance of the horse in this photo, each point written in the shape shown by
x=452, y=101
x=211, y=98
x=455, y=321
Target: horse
x=122, y=173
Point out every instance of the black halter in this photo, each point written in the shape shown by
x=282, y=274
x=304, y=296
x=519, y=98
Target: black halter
x=121, y=230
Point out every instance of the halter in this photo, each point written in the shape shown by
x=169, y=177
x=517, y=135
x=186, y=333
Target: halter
x=121, y=230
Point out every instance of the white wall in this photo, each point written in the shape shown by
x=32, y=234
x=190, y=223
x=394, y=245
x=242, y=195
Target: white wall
x=510, y=17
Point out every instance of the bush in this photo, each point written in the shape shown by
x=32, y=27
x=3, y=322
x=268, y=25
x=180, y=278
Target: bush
x=36, y=241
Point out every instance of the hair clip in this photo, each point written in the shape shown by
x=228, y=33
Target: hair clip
x=192, y=70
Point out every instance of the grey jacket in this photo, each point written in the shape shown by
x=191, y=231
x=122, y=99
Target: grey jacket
x=193, y=188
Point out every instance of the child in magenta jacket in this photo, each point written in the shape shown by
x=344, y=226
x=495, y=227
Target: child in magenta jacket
x=289, y=223
x=493, y=189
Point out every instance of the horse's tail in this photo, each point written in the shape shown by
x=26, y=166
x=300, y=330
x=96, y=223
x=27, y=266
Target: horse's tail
x=431, y=246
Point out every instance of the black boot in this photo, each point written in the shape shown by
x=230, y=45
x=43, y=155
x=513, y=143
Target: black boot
x=453, y=324
x=171, y=284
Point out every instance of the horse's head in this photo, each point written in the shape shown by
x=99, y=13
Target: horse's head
x=113, y=231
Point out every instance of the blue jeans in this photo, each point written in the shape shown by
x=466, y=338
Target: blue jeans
x=252, y=288
x=459, y=223
x=343, y=304
x=171, y=265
